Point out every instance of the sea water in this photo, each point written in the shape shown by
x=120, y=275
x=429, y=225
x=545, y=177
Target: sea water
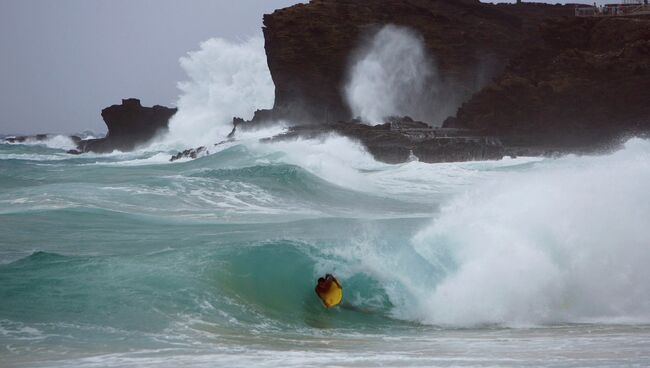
x=130, y=260
x=127, y=259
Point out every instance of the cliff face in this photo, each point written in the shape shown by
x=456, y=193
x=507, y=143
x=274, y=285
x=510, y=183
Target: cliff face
x=129, y=125
x=309, y=46
x=587, y=82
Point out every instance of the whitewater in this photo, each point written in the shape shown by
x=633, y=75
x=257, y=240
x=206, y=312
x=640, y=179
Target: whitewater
x=129, y=260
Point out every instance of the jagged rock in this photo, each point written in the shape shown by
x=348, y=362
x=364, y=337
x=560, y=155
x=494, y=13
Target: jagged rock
x=196, y=152
x=188, y=153
x=129, y=125
x=260, y=119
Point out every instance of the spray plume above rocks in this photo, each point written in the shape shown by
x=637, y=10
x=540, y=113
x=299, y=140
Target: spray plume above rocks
x=392, y=75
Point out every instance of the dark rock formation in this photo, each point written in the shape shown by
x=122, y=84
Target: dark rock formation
x=189, y=153
x=534, y=75
x=200, y=151
x=129, y=125
x=402, y=139
x=309, y=46
x=585, y=84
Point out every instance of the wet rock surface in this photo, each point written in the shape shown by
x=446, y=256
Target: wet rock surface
x=191, y=153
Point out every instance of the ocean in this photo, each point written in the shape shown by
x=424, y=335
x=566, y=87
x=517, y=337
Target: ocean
x=129, y=260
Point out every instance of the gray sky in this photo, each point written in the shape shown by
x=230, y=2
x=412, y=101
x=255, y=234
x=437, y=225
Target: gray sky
x=62, y=61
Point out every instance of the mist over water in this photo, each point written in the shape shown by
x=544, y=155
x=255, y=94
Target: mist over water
x=393, y=75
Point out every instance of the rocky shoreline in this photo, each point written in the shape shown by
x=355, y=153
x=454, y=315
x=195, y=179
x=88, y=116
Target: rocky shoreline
x=530, y=79
x=556, y=83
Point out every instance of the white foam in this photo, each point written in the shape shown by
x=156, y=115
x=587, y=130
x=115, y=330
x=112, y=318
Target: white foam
x=345, y=162
x=33, y=157
x=333, y=158
x=565, y=242
x=156, y=159
x=226, y=79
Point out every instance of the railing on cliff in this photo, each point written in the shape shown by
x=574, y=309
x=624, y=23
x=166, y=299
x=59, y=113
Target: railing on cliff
x=614, y=10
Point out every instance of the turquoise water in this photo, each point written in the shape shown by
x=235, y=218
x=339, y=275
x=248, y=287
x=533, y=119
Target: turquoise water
x=129, y=260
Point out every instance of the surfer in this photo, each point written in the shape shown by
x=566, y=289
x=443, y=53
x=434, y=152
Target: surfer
x=329, y=291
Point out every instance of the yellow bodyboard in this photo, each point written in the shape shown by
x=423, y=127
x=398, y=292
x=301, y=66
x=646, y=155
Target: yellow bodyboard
x=333, y=296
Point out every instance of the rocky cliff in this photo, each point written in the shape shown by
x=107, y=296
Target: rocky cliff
x=309, y=46
x=533, y=75
x=129, y=124
x=586, y=83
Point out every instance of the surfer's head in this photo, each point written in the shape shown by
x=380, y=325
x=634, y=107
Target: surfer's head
x=323, y=284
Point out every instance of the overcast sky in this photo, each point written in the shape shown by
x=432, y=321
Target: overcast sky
x=62, y=61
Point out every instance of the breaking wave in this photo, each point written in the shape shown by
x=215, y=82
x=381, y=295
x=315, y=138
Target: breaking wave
x=515, y=243
x=567, y=242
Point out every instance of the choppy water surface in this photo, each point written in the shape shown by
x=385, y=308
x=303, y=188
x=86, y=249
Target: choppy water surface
x=129, y=260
